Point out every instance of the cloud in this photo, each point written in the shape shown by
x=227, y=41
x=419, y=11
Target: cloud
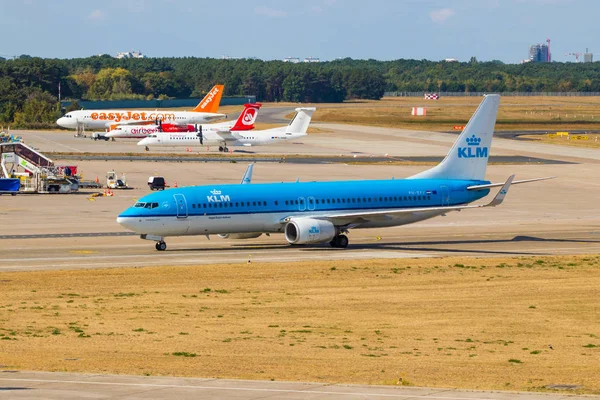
x=137, y=5
x=441, y=15
x=96, y=15
x=270, y=12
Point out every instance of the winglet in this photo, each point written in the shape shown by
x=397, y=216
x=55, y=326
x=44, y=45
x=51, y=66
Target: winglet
x=247, y=178
x=502, y=193
x=210, y=102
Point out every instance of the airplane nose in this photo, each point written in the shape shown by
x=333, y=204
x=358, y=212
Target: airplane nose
x=126, y=222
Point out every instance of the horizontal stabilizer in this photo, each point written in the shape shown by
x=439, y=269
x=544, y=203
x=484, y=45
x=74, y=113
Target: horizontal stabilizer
x=493, y=185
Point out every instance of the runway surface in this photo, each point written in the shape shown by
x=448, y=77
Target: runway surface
x=114, y=250
x=37, y=385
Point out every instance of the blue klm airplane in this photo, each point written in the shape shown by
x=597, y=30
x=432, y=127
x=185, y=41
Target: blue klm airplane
x=320, y=212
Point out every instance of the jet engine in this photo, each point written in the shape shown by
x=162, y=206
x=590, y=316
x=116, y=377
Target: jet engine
x=250, y=235
x=308, y=230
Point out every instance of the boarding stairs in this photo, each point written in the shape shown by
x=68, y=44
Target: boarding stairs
x=19, y=154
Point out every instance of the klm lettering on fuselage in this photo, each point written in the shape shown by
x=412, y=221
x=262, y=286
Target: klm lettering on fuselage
x=217, y=197
x=473, y=150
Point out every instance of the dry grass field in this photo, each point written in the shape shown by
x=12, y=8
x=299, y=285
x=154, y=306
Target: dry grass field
x=592, y=141
x=516, y=113
x=466, y=323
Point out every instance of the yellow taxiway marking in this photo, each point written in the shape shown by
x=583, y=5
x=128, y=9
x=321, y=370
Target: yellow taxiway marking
x=83, y=252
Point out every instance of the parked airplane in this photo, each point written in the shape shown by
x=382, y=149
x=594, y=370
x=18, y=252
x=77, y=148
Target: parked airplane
x=319, y=212
x=236, y=135
x=205, y=111
x=165, y=131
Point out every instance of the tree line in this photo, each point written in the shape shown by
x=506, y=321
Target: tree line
x=29, y=86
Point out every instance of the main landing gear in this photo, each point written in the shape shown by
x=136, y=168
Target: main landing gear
x=224, y=149
x=339, y=241
x=161, y=246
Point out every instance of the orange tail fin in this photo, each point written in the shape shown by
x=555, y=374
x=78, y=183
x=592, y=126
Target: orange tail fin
x=210, y=102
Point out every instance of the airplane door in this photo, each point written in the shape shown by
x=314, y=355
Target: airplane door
x=181, y=204
x=445, y=196
x=301, y=204
x=311, y=203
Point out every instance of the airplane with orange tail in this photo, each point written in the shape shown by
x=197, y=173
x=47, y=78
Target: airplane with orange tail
x=205, y=111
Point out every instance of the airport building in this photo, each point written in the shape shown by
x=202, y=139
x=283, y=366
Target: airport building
x=130, y=54
x=311, y=60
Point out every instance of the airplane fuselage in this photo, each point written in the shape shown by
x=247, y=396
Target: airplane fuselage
x=219, y=135
x=221, y=209
x=142, y=131
x=101, y=119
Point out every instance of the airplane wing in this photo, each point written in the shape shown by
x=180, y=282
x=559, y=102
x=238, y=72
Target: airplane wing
x=491, y=185
x=110, y=124
x=214, y=117
x=358, y=217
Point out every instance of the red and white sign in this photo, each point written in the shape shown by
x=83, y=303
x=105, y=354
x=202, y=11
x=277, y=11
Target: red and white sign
x=419, y=111
x=432, y=96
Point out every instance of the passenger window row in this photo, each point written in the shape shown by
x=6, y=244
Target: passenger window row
x=231, y=204
x=301, y=201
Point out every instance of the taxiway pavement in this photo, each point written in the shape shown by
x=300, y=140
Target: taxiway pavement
x=45, y=385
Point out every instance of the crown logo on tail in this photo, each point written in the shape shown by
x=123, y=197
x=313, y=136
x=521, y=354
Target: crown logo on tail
x=473, y=141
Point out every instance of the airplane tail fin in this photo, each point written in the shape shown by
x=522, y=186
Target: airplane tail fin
x=245, y=121
x=301, y=121
x=210, y=102
x=468, y=157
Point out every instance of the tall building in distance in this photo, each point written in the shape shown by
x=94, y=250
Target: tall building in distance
x=539, y=53
x=588, y=57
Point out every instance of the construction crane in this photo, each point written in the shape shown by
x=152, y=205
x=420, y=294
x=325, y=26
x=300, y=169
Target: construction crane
x=577, y=55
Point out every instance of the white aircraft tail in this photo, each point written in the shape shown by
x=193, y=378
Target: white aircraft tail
x=469, y=155
x=301, y=121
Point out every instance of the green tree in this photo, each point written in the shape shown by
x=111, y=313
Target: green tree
x=293, y=88
x=40, y=109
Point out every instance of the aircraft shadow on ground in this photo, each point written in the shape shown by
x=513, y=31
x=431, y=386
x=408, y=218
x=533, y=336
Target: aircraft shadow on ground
x=420, y=246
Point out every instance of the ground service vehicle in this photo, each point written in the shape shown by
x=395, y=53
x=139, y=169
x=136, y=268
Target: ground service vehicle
x=156, y=183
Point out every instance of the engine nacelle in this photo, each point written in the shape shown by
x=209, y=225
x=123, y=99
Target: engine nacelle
x=308, y=230
x=251, y=235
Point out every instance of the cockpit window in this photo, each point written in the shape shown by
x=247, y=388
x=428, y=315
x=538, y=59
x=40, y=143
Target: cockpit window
x=146, y=205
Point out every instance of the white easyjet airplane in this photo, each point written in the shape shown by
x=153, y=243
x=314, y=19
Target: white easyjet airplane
x=205, y=111
x=238, y=134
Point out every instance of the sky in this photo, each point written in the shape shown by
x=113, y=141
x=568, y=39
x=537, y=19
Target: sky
x=325, y=29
